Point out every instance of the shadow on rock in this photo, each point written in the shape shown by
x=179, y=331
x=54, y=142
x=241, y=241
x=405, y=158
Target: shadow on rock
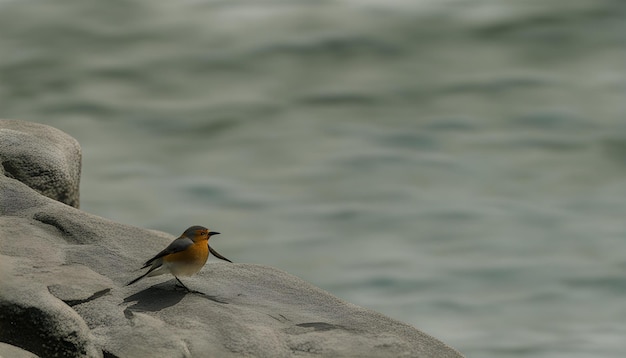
x=163, y=295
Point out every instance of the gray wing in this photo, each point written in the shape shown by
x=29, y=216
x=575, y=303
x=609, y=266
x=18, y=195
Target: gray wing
x=177, y=245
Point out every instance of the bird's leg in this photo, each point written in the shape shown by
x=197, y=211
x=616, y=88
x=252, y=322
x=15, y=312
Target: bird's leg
x=182, y=284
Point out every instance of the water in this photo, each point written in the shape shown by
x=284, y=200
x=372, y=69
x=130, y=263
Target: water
x=457, y=165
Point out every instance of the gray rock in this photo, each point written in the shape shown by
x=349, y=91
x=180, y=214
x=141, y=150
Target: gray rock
x=9, y=351
x=62, y=293
x=42, y=157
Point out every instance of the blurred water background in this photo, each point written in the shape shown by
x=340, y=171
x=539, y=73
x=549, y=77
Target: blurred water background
x=459, y=165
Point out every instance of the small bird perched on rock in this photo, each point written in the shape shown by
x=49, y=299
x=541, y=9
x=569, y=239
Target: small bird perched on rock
x=184, y=256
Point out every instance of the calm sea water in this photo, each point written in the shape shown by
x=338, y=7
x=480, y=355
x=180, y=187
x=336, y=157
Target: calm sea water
x=457, y=165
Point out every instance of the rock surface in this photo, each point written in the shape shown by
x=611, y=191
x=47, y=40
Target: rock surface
x=42, y=157
x=62, y=276
x=7, y=350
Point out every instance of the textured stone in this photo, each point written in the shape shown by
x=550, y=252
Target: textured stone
x=42, y=157
x=9, y=351
x=62, y=276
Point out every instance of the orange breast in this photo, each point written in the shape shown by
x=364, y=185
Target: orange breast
x=189, y=261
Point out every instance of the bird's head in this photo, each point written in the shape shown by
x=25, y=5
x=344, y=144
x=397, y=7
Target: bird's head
x=196, y=233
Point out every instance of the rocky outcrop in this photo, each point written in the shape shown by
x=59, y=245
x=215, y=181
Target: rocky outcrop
x=42, y=157
x=62, y=276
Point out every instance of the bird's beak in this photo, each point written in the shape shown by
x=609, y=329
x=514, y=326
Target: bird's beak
x=211, y=233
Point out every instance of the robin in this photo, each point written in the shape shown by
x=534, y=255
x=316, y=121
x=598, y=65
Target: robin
x=184, y=256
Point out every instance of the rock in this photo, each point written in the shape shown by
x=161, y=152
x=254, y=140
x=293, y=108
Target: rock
x=42, y=157
x=62, y=276
x=34, y=320
x=7, y=350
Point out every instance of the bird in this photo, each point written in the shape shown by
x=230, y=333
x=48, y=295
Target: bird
x=184, y=256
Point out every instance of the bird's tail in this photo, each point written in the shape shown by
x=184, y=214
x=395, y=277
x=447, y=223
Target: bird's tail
x=138, y=278
x=217, y=254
